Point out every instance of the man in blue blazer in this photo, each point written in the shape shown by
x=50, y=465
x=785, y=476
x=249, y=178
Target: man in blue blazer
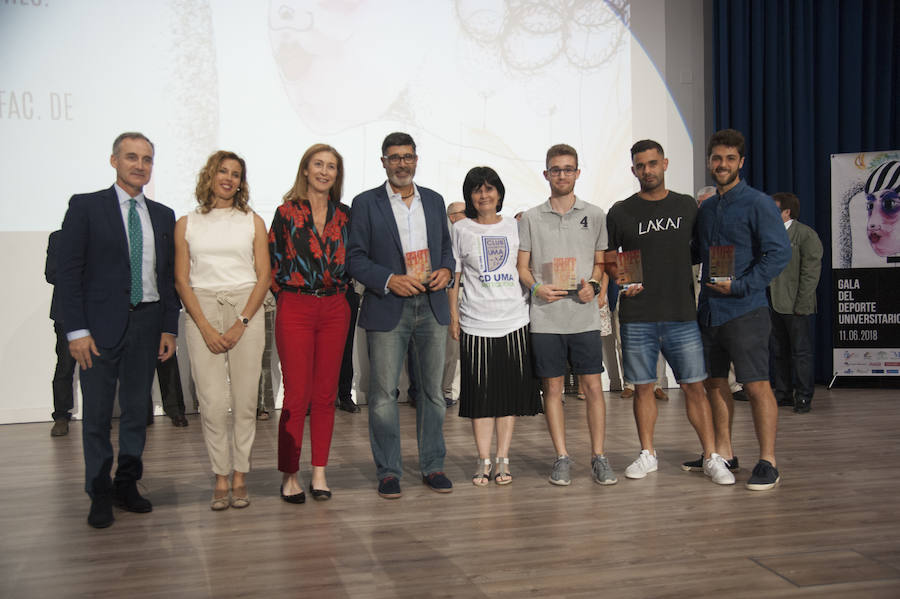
x=400, y=250
x=120, y=313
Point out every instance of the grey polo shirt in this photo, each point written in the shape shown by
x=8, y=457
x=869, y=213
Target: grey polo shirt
x=548, y=235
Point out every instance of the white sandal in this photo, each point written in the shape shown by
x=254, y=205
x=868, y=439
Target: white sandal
x=502, y=470
x=482, y=478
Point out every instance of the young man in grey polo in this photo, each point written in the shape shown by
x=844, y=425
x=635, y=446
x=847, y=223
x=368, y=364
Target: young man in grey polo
x=561, y=247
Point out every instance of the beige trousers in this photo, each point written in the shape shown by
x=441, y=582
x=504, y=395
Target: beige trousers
x=227, y=383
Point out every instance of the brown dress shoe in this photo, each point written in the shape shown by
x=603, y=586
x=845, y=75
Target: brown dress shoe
x=60, y=428
x=658, y=393
x=627, y=393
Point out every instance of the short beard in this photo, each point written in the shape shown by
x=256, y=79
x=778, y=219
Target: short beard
x=397, y=182
x=728, y=182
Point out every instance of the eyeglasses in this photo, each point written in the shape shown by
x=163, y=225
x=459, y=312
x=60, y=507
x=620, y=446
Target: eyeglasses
x=566, y=172
x=394, y=159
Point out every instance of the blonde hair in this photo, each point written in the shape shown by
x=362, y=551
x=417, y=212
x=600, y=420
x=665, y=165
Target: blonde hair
x=204, y=192
x=301, y=185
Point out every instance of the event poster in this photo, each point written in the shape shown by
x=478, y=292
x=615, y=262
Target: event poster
x=866, y=260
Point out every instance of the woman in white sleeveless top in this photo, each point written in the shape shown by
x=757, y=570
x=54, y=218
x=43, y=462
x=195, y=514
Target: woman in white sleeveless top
x=222, y=275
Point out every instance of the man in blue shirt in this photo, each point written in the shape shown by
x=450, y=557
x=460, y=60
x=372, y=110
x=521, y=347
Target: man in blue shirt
x=743, y=226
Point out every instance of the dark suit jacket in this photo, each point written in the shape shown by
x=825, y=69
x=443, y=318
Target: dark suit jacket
x=94, y=277
x=374, y=253
x=50, y=275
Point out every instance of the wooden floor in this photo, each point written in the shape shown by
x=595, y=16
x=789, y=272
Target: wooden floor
x=832, y=529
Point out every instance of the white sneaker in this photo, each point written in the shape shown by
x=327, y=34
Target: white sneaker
x=717, y=469
x=643, y=465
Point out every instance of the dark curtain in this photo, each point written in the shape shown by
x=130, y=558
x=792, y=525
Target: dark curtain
x=804, y=79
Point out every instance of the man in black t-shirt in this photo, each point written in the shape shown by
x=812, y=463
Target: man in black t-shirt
x=658, y=313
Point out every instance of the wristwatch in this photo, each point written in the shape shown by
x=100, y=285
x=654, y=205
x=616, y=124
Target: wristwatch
x=244, y=320
x=596, y=285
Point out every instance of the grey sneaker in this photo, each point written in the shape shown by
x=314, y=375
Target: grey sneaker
x=560, y=474
x=602, y=472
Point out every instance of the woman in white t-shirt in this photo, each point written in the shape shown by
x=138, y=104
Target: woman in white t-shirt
x=222, y=276
x=490, y=319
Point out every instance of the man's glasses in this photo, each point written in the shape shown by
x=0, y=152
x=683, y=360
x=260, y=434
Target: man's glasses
x=566, y=172
x=394, y=159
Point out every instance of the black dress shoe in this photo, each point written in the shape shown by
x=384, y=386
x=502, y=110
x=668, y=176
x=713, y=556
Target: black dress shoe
x=740, y=395
x=127, y=497
x=101, y=514
x=319, y=494
x=347, y=405
x=179, y=420
x=60, y=428
x=297, y=498
x=802, y=406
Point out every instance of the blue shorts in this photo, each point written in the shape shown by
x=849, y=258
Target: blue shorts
x=584, y=352
x=679, y=342
x=744, y=341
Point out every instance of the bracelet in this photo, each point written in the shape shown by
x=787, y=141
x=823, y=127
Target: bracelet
x=534, y=287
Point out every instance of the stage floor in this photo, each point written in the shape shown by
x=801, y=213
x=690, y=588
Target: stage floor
x=831, y=529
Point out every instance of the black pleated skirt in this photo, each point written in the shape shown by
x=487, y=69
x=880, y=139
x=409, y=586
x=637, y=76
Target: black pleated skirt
x=496, y=377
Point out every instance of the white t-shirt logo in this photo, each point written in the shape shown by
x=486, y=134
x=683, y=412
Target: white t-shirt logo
x=495, y=251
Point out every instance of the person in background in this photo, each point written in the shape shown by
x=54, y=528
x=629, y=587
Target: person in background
x=265, y=402
x=222, y=273
x=64, y=373
x=793, y=297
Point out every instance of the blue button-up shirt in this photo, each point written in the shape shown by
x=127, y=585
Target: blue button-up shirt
x=750, y=221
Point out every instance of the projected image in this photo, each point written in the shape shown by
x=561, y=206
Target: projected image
x=476, y=82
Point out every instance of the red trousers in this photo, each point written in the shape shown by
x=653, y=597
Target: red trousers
x=310, y=333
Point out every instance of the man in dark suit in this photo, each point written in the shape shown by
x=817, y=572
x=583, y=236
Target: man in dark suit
x=121, y=314
x=400, y=250
x=63, y=399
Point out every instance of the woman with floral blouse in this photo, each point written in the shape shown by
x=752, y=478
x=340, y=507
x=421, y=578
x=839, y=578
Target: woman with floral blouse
x=307, y=246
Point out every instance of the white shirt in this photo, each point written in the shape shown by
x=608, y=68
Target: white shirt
x=148, y=262
x=410, y=222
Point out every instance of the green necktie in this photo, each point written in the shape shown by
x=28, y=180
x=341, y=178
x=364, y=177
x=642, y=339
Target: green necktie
x=136, y=249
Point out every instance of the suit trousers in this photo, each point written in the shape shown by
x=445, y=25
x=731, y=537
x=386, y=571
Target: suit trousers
x=310, y=333
x=63, y=397
x=130, y=363
x=792, y=355
x=227, y=383
x=266, y=393
x=345, y=382
x=169, y=376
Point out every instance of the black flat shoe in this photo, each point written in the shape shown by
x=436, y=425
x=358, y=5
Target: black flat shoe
x=296, y=498
x=319, y=494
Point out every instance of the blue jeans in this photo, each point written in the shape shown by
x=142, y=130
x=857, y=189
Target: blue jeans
x=419, y=331
x=680, y=343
